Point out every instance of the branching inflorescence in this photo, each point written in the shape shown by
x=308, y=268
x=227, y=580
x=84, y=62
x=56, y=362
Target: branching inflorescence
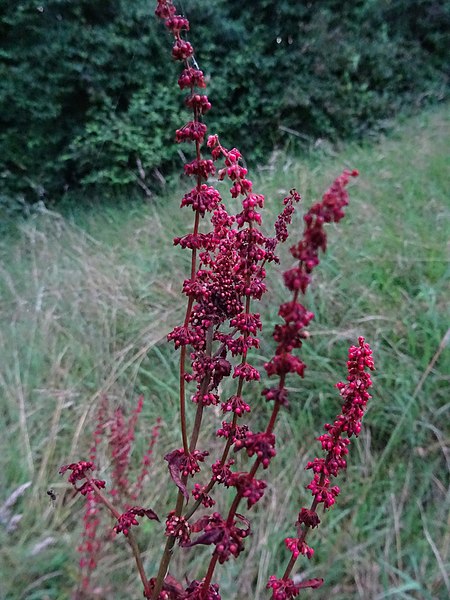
x=215, y=340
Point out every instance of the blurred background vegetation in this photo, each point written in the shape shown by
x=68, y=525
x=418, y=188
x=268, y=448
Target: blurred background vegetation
x=88, y=97
x=90, y=282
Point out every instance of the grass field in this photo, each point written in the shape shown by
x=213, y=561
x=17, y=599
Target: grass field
x=87, y=298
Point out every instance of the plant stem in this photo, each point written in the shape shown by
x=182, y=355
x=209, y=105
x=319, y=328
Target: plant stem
x=129, y=537
x=209, y=574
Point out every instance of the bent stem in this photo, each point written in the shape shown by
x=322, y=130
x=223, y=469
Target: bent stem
x=130, y=538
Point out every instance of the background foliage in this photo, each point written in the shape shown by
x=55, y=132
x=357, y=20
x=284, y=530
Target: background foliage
x=86, y=301
x=88, y=97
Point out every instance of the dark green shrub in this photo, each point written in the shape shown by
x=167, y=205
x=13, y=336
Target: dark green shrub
x=83, y=97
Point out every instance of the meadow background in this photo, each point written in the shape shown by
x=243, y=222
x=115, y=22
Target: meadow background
x=89, y=288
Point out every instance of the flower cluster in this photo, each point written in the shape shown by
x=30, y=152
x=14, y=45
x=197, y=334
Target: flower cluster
x=179, y=528
x=261, y=444
x=225, y=535
x=128, y=518
x=285, y=589
x=81, y=470
x=182, y=464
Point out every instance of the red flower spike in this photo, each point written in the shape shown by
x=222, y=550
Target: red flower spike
x=348, y=423
x=91, y=544
x=146, y=460
x=285, y=217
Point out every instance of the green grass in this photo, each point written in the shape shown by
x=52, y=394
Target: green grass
x=87, y=299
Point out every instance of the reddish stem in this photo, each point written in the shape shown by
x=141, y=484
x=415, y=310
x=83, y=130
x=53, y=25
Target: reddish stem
x=209, y=574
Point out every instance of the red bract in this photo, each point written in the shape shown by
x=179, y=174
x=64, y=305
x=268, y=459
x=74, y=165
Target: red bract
x=298, y=546
x=247, y=372
x=232, y=431
x=235, y=404
x=221, y=471
x=308, y=517
x=202, y=200
x=177, y=24
x=200, y=168
x=199, y=103
x=87, y=486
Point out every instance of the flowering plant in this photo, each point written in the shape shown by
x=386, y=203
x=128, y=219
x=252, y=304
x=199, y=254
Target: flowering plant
x=215, y=341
